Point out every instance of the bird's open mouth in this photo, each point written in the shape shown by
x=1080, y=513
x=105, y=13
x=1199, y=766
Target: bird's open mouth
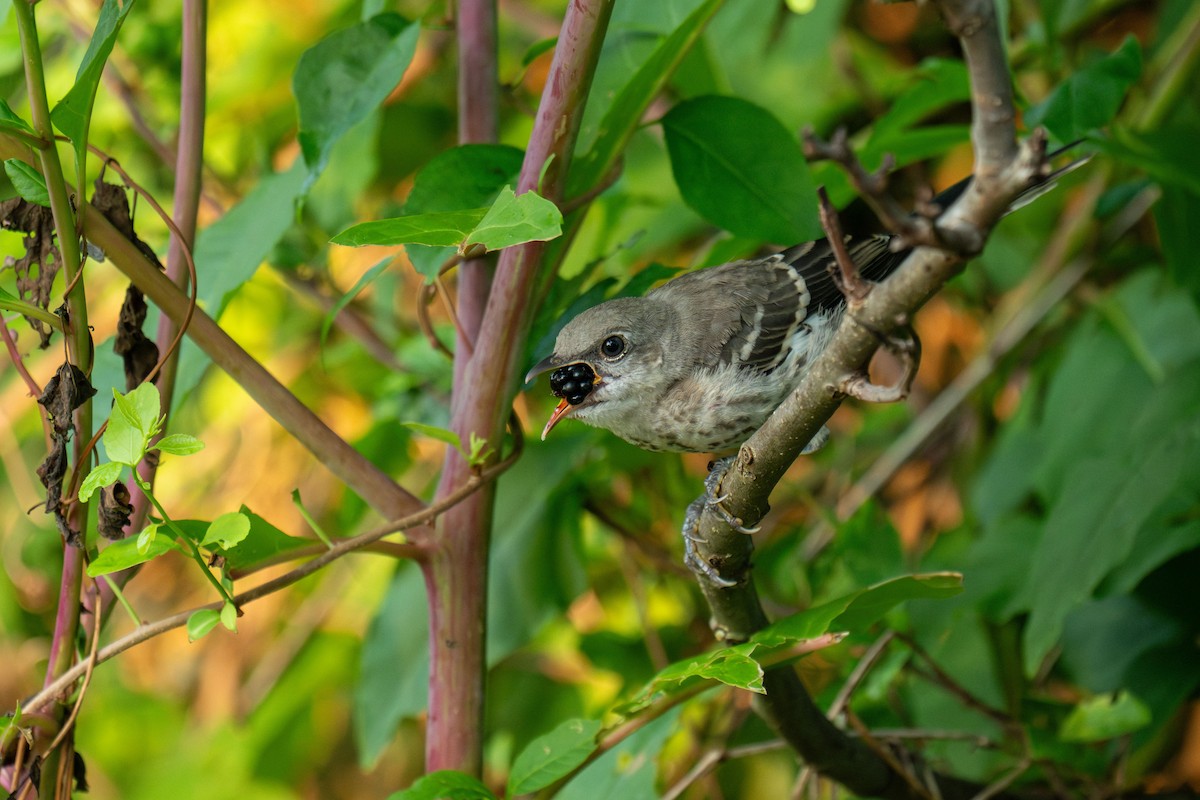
x=573, y=383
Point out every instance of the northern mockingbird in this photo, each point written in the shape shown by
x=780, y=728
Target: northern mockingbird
x=698, y=364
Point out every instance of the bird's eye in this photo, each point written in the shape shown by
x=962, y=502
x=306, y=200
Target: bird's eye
x=612, y=347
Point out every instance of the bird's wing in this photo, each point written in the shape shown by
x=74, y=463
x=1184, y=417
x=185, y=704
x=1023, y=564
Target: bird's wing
x=752, y=309
x=816, y=263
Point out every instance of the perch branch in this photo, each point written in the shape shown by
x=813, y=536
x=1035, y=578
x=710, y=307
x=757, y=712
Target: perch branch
x=1003, y=169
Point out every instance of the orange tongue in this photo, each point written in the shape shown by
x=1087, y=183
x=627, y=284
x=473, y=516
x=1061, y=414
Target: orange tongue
x=561, y=410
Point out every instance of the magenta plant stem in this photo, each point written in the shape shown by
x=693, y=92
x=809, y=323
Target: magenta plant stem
x=79, y=353
x=456, y=572
x=188, y=162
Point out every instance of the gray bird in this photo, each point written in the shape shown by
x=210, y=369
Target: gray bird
x=698, y=364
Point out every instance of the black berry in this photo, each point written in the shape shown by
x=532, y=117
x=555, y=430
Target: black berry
x=573, y=382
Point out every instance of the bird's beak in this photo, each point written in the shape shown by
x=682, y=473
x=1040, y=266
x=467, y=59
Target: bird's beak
x=545, y=365
x=561, y=410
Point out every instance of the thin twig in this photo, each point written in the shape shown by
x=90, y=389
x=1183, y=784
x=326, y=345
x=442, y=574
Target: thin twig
x=942, y=678
x=637, y=590
x=999, y=786
x=341, y=548
x=90, y=665
x=427, y=292
x=910, y=230
x=847, y=276
x=885, y=753
x=860, y=671
x=18, y=361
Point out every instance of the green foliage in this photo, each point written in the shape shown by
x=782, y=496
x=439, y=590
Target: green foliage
x=27, y=181
x=509, y=221
x=345, y=77
x=1090, y=97
x=445, y=785
x=130, y=552
x=1103, y=718
x=1051, y=521
x=552, y=756
x=739, y=167
x=73, y=114
x=12, y=120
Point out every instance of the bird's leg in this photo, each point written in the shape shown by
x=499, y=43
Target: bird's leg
x=905, y=345
x=711, y=499
x=715, y=501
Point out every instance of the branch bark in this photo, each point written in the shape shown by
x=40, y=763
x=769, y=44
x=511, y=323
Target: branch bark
x=1003, y=168
x=456, y=571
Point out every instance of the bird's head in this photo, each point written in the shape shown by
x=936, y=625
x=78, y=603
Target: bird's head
x=609, y=360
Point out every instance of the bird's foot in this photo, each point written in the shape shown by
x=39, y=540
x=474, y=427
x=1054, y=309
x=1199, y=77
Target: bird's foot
x=712, y=499
x=905, y=345
x=691, y=554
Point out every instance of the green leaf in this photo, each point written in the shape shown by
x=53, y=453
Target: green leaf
x=468, y=176
x=479, y=451
x=229, y=616
x=345, y=299
x=28, y=182
x=443, y=229
x=628, y=770
x=11, y=119
x=147, y=537
x=102, y=475
x=124, y=553
x=441, y=434
x=625, y=112
x=201, y=622
x=344, y=77
x=1104, y=717
x=73, y=113
x=741, y=169
x=856, y=611
x=230, y=250
x=936, y=83
x=514, y=220
x=553, y=755
x=1103, y=504
x=445, y=785
x=227, y=530
x=537, y=48
x=124, y=443
x=141, y=407
x=263, y=542
x=180, y=444
x=1091, y=97
x=732, y=666
x=1177, y=215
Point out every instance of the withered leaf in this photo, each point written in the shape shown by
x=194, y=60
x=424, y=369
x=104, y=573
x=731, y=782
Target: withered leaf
x=111, y=201
x=65, y=392
x=115, y=509
x=36, y=269
x=51, y=472
x=79, y=772
x=139, y=353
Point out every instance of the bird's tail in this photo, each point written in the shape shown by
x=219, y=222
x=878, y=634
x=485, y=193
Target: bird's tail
x=1044, y=185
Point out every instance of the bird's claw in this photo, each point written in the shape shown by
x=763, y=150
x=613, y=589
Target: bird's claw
x=711, y=499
